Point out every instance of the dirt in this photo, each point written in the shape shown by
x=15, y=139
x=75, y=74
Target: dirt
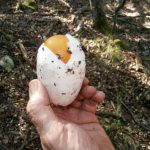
x=125, y=113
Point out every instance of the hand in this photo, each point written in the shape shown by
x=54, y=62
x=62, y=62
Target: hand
x=74, y=127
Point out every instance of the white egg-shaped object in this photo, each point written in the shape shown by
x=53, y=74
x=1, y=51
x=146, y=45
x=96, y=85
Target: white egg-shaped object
x=61, y=68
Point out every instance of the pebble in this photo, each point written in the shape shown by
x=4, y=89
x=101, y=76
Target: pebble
x=7, y=62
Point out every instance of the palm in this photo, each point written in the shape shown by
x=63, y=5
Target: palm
x=74, y=114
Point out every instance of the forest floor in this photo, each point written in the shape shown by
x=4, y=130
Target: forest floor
x=119, y=65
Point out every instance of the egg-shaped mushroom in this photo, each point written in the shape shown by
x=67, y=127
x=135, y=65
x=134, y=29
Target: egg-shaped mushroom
x=61, y=68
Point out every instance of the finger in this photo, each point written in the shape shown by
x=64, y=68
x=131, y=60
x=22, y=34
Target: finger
x=85, y=82
x=38, y=91
x=99, y=96
x=89, y=106
x=76, y=103
x=88, y=91
x=38, y=106
x=79, y=97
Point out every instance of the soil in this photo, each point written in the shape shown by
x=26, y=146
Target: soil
x=125, y=113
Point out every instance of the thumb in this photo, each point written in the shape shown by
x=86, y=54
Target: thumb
x=38, y=107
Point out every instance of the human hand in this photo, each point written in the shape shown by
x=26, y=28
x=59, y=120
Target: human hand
x=74, y=127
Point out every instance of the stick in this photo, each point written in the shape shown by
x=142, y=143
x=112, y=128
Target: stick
x=116, y=15
x=82, y=9
x=90, y=2
x=24, y=52
x=134, y=119
x=109, y=114
x=65, y=3
x=3, y=147
x=24, y=143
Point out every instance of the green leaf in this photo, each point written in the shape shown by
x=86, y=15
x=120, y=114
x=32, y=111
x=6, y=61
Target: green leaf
x=8, y=69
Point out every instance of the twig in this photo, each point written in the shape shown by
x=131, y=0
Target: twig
x=34, y=138
x=109, y=114
x=80, y=26
x=65, y=3
x=121, y=16
x=116, y=14
x=3, y=147
x=82, y=9
x=131, y=17
x=90, y=2
x=24, y=143
x=24, y=52
x=134, y=119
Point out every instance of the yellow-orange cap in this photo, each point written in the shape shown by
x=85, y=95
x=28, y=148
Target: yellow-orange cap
x=58, y=44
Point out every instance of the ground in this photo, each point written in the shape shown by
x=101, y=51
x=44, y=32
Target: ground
x=118, y=65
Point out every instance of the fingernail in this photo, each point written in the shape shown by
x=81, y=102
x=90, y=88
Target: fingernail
x=90, y=89
x=33, y=87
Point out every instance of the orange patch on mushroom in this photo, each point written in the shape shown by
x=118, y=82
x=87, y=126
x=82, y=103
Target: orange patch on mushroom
x=58, y=44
